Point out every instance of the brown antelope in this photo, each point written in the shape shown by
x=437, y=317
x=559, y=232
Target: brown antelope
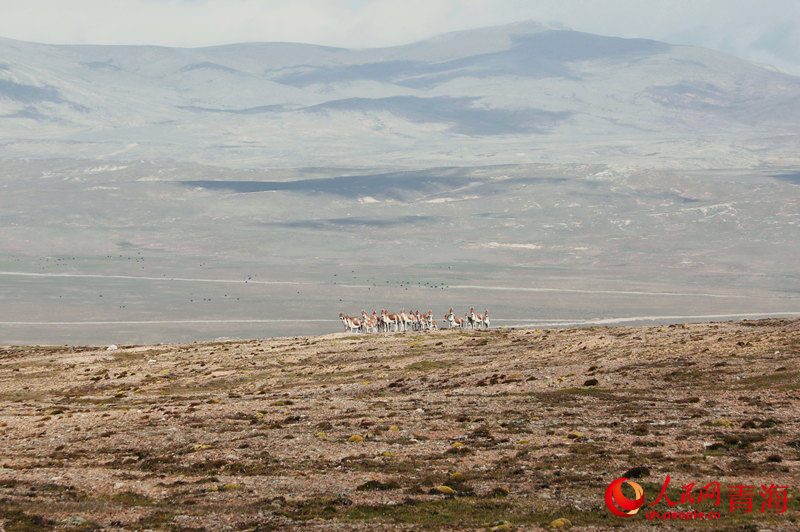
x=355, y=324
x=350, y=323
x=394, y=318
x=413, y=320
x=369, y=322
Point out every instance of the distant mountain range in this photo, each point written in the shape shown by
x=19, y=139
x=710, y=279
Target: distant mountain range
x=154, y=194
x=510, y=94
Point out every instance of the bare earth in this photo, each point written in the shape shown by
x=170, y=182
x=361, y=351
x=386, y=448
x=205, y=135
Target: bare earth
x=512, y=429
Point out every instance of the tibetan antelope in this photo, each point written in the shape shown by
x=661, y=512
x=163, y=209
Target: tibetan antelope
x=350, y=324
x=453, y=320
x=344, y=321
x=391, y=319
x=369, y=322
x=475, y=319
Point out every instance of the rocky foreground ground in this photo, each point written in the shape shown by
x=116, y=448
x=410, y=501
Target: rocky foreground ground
x=504, y=429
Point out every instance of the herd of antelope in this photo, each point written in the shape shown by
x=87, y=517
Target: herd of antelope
x=411, y=321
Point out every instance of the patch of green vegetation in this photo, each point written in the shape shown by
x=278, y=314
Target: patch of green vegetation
x=367, y=463
x=782, y=380
x=376, y=485
x=157, y=520
x=18, y=521
x=69, y=493
x=425, y=365
x=448, y=511
x=129, y=498
x=475, y=511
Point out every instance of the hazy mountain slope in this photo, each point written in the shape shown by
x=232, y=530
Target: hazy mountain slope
x=152, y=193
x=499, y=90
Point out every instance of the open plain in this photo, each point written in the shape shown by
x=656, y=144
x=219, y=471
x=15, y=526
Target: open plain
x=453, y=429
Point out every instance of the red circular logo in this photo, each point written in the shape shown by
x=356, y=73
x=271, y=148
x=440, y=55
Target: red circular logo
x=618, y=503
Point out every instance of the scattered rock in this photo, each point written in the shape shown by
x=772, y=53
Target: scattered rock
x=342, y=500
x=561, y=524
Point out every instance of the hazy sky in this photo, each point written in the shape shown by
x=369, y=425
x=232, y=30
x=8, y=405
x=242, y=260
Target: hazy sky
x=766, y=31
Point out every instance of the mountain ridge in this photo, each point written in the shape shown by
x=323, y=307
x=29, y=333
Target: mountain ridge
x=609, y=90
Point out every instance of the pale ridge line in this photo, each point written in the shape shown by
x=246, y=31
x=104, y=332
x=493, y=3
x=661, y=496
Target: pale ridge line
x=574, y=290
x=157, y=322
x=582, y=291
x=144, y=278
x=469, y=287
x=604, y=321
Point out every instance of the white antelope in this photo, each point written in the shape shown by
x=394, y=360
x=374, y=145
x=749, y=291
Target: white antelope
x=369, y=322
x=453, y=320
x=475, y=319
x=406, y=321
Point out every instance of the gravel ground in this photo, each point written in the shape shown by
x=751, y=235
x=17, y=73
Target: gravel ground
x=453, y=429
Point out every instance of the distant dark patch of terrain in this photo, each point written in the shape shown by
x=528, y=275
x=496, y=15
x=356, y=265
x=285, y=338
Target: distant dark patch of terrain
x=571, y=46
x=347, y=186
x=397, y=185
x=208, y=65
x=793, y=178
x=29, y=112
x=459, y=113
x=28, y=93
x=244, y=111
x=386, y=71
x=540, y=55
x=357, y=222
